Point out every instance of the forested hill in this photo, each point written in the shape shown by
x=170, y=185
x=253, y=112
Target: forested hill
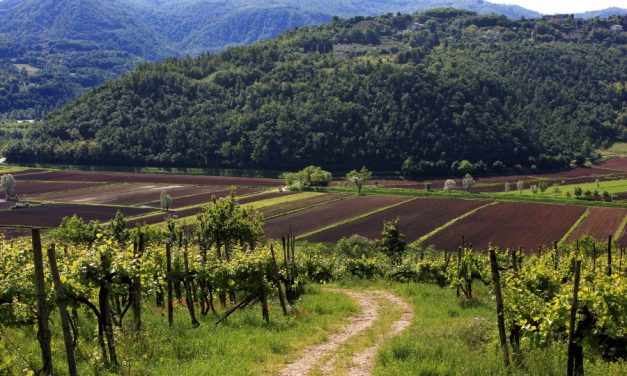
x=422, y=91
x=51, y=51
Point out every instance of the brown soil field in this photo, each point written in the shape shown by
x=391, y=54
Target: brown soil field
x=198, y=199
x=324, y=215
x=37, y=187
x=123, y=194
x=615, y=164
x=27, y=171
x=195, y=210
x=264, y=196
x=128, y=177
x=510, y=225
x=6, y=204
x=418, y=217
x=288, y=207
x=600, y=223
x=12, y=233
x=152, y=196
x=50, y=215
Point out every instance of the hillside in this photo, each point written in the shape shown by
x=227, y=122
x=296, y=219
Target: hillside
x=419, y=92
x=52, y=51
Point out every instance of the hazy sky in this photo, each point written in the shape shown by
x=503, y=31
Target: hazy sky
x=564, y=6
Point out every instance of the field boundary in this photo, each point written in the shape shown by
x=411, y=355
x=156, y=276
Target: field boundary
x=307, y=207
x=621, y=228
x=575, y=226
x=513, y=197
x=451, y=223
x=352, y=219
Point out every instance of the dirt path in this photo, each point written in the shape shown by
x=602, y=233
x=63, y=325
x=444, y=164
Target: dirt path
x=362, y=363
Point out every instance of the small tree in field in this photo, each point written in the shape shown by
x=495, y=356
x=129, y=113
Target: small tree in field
x=520, y=185
x=166, y=201
x=358, y=179
x=449, y=186
x=392, y=240
x=8, y=185
x=543, y=186
x=468, y=182
x=428, y=187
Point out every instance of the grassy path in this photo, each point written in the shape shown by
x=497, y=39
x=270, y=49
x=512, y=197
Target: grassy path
x=353, y=350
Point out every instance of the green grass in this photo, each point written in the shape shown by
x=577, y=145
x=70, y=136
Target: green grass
x=244, y=345
x=10, y=169
x=611, y=186
x=574, y=226
x=617, y=148
x=513, y=196
x=451, y=336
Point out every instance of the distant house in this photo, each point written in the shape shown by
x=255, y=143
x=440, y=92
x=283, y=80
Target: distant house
x=616, y=28
x=25, y=121
x=416, y=26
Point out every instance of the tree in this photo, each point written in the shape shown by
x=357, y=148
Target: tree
x=449, y=186
x=392, y=240
x=310, y=176
x=166, y=201
x=543, y=186
x=578, y=192
x=465, y=167
x=520, y=185
x=428, y=186
x=8, y=185
x=467, y=182
x=358, y=179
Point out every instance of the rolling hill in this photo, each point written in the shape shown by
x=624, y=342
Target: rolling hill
x=52, y=51
x=420, y=92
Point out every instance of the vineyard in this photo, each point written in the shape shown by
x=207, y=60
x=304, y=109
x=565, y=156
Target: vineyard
x=87, y=297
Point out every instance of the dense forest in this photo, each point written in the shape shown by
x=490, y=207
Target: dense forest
x=52, y=51
x=420, y=92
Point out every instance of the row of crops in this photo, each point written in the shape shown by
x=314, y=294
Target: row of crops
x=571, y=294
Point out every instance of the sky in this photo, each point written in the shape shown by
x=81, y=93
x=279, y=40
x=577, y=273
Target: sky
x=564, y=6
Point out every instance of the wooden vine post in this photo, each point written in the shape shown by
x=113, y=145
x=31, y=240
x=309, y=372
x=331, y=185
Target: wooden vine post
x=43, y=333
x=62, y=304
x=187, y=282
x=137, y=284
x=499, y=305
x=168, y=268
x=609, y=256
x=275, y=265
x=572, y=369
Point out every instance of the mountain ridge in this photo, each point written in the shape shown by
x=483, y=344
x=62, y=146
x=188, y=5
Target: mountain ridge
x=52, y=51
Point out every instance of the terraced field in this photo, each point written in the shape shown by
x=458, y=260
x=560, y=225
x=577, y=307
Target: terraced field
x=510, y=225
x=417, y=218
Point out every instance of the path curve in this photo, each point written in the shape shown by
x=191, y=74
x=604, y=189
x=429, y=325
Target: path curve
x=362, y=363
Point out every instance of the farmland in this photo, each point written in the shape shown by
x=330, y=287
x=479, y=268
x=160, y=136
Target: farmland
x=417, y=218
x=510, y=225
x=600, y=223
x=301, y=223
x=329, y=216
x=315, y=219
